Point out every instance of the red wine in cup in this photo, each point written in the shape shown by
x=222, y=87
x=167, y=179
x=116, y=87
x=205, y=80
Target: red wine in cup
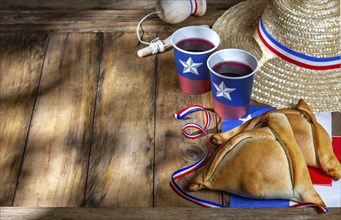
x=232, y=69
x=195, y=45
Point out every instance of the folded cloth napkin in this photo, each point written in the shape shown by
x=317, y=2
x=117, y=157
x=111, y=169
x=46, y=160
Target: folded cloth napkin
x=254, y=111
x=329, y=190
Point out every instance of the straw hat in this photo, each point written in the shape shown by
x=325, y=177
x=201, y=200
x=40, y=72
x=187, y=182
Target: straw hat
x=298, y=47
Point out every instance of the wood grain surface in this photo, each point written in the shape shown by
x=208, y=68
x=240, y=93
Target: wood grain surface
x=121, y=162
x=21, y=60
x=85, y=122
x=98, y=4
x=172, y=150
x=23, y=213
x=57, y=152
x=336, y=123
x=94, y=21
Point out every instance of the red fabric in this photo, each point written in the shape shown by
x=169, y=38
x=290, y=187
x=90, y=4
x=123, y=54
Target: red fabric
x=317, y=176
x=337, y=146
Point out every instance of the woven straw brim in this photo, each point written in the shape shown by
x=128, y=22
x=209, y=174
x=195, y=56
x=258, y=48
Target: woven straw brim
x=277, y=82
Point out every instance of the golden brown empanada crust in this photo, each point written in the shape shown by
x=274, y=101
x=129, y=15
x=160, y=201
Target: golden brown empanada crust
x=312, y=138
x=261, y=163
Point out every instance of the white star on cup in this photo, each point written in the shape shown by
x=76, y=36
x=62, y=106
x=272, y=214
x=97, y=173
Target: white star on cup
x=223, y=91
x=245, y=119
x=190, y=66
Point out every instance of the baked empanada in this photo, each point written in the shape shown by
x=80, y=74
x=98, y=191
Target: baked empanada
x=263, y=163
x=310, y=136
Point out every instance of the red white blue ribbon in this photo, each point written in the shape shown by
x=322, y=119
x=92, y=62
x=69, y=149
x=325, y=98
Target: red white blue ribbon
x=295, y=57
x=188, y=110
x=187, y=170
x=308, y=204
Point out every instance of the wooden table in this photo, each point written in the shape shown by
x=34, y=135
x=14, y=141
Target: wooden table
x=86, y=123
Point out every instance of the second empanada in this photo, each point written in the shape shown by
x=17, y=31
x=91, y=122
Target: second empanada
x=263, y=163
x=310, y=136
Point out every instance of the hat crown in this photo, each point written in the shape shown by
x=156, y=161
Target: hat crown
x=310, y=27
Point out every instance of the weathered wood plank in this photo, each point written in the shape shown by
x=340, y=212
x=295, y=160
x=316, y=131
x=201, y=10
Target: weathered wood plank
x=21, y=59
x=56, y=158
x=98, y=4
x=21, y=213
x=121, y=165
x=336, y=123
x=172, y=150
x=76, y=4
x=93, y=21
x=221, y=4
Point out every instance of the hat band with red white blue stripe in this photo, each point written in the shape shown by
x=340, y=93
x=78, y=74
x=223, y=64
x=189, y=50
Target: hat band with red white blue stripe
x=294, y=57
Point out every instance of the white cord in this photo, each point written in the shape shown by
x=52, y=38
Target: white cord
x=156, y=44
